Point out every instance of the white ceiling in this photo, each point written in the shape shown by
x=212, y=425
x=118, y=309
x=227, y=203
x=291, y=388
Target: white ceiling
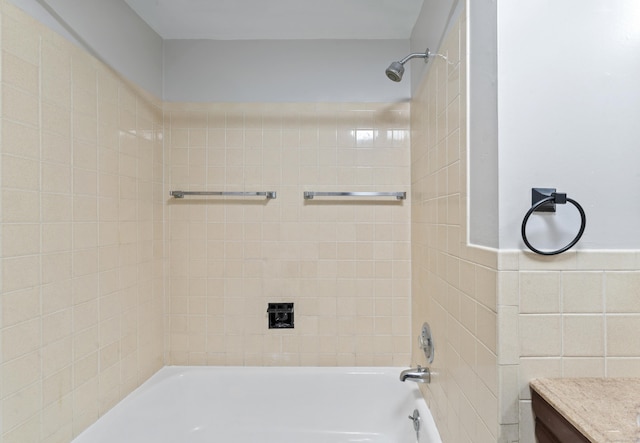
x=279, y=19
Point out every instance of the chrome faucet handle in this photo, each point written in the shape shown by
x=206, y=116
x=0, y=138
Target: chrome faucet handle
x=415, y=418
x=425, y=341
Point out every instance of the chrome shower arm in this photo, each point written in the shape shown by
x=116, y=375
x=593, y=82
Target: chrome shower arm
x=424, y=55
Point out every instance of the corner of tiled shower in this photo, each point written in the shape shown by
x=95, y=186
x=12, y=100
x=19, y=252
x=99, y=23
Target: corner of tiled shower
x=106, y=279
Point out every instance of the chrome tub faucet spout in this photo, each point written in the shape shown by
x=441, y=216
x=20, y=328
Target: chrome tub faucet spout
x=419, y=375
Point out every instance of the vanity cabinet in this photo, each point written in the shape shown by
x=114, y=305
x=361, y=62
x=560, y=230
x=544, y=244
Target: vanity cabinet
x=586, y=410
x=551, y=426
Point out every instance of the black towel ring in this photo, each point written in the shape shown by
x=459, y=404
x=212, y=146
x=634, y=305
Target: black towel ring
x=559, y=199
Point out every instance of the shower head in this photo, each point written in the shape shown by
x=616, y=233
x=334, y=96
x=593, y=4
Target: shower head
x=396, y=69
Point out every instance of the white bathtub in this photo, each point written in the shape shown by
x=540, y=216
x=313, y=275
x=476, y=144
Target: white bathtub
x=260, y=404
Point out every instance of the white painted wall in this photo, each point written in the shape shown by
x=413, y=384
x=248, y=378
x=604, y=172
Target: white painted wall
x=282, y=71
x=228, y=70
x=569, y=114
x=111, y=31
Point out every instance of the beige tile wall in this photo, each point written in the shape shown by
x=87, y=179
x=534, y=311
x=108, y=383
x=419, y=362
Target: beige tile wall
x=81, y=203
x=345, y=263
x=454, y=285
x=574, y=315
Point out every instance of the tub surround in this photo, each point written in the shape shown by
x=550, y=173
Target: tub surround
x=88, y=231
x=602, y=409
x=345, y=263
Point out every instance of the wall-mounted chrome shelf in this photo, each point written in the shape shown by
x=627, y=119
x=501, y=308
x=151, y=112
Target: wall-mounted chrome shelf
x=182, y=194
x=309, y=195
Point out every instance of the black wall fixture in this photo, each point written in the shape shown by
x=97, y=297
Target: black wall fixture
x=545, y=200
x=280, y=315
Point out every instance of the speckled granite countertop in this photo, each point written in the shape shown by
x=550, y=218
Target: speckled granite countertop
x=605, y=410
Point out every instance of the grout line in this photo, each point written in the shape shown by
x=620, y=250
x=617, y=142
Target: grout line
x=40, y=218
x=604, y=324
x=562, y=318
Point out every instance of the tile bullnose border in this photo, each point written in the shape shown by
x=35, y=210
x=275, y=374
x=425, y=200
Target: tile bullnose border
x=584, y=260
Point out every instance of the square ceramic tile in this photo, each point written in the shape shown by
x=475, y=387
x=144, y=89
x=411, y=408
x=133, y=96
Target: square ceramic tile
x=583, y=335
